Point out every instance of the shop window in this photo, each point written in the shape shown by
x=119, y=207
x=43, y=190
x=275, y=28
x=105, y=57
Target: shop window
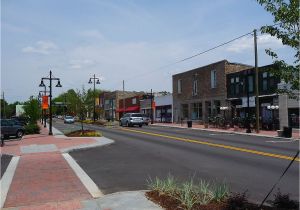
x=185, y=111
x=197, y=111
x=237, y=85
x=232, y=86
x=250, y=84
x=134, y=101
x=195, y=87
x=213, y=78
x=179, y=86
x=265, y=81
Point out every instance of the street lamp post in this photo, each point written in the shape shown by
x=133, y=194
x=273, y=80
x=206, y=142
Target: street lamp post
x=248, y=104
x=273, y=108
x=50, y=78
x=94, y=78
x=43, y=93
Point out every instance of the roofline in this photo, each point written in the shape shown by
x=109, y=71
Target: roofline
x=225, y=61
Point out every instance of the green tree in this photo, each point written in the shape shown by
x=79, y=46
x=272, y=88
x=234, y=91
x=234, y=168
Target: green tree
x=32, y=110
x=286, y=28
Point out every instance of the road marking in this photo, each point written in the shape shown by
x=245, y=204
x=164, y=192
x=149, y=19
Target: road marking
x=84, y=178
x=221, y=134
x=7, y=178
x=216, y=145
x=282, y=141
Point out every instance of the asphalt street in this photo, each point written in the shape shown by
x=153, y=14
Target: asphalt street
x=244, y=162
x=5, y=160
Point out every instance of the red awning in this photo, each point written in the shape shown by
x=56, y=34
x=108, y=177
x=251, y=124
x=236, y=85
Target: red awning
x=129, y=109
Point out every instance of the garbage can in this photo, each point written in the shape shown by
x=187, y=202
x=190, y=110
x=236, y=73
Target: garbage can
x=189, y=123
x=287, y=132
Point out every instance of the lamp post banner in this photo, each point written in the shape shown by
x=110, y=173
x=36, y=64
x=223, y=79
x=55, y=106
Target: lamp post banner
x=45, y=104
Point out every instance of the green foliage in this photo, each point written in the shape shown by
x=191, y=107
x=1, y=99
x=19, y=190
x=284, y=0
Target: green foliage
x=32, y=110
x=237, y=201
x=91, y=134
x=32, y=129
x=283, y=201
x=220, y=192
x=187, y=195
x=286, y=28
x=204, y=192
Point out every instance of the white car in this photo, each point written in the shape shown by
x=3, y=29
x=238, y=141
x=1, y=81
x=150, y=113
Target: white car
x=69, y=119
x=131, y=119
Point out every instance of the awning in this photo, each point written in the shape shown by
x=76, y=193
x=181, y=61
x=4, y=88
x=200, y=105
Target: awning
x=129, y=109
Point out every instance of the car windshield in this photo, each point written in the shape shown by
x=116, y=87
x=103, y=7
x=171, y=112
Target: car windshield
x=69, y=117
x=136, y=115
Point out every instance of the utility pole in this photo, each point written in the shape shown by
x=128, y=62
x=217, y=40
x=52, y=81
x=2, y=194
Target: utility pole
x=4, y=114
x=151, y=113
x=256, y=83
x=124, y=97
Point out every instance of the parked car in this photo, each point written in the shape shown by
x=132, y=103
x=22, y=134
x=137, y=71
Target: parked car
x=69, y=119
x=146, y=119
x=20, y=120
x=131, y=119
x=11, y=128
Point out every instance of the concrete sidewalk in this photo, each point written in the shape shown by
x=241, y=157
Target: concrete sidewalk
x=42, y=176
x=240, y=131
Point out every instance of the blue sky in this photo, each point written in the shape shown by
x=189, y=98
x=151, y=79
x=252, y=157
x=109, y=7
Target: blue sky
x=120, y=39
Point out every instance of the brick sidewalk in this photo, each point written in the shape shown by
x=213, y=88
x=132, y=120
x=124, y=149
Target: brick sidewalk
x=43, y=179
x=295, y=134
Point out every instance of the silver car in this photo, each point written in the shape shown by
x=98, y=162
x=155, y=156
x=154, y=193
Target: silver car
x=69, y=119
x=131, y=119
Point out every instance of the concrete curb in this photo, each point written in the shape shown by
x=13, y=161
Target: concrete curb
x=84, y=178
x=7, y=178
x=101, y=141
x=228, y=132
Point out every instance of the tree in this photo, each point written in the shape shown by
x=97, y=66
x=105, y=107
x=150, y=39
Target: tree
x=32, y=110
x=286, y=28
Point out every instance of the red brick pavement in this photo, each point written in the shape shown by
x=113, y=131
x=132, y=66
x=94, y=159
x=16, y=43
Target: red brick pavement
x=43, y=178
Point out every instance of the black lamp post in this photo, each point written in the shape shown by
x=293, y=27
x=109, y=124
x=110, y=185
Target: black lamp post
x=94, y=78
x=43, y=93
x=50, y=78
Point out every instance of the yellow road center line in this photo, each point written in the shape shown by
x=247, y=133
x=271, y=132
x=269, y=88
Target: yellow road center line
x=215, y=145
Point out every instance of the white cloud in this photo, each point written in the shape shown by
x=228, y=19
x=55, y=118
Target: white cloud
x=41, y=47
x=247, y=43
x=92, y=34
x=81, y=63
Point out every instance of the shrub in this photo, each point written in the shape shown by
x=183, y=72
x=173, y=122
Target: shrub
x=167, y=186
x=187, y=195
x=32, y=129
x=91, y=134
x=237, y=201
x=283, y=201
x=204, y=192
x=220, y=192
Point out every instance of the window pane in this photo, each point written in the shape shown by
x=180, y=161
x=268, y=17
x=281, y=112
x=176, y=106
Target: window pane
x=250, y=83
x=179, y=86
x=265, y=74
x=213, y=78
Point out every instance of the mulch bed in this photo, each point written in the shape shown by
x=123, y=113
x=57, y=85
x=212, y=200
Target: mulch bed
x=170, y=203
x=78, y=133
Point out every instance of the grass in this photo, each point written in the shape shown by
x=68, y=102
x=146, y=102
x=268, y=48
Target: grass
x=189, y=193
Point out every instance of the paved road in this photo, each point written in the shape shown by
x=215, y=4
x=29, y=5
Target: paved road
x=245, y=162
x=5, y=160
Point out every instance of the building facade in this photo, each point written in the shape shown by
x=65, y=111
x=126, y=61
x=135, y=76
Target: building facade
x=241, y=86
x=109, y=103
x=199, y=93
x=163, y=108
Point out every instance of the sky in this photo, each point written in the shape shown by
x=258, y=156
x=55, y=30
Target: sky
x=131, y=40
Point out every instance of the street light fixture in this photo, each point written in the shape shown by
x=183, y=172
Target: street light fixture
x=50, y=78
x=94, y=78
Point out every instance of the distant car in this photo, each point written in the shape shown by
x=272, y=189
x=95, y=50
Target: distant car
x=131, y=119
x=146, y=119
x=11, y=128
x=69, y=119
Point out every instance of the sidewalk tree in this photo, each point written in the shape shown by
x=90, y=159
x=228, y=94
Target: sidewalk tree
x=285, y=28
x=32, y=110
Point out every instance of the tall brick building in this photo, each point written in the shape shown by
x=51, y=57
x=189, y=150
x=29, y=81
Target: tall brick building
x=199, y=93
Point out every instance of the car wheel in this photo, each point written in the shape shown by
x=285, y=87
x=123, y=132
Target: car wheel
x=140, y=125
x=19, y=133
x=127, y=124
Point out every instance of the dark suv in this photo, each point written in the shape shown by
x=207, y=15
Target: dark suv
x=11, y=128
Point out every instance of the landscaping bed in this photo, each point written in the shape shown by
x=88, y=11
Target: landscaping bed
x=203, y=195
x=84, y=133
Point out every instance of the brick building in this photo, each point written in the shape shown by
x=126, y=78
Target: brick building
x=109, y=103
x=199, y=93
